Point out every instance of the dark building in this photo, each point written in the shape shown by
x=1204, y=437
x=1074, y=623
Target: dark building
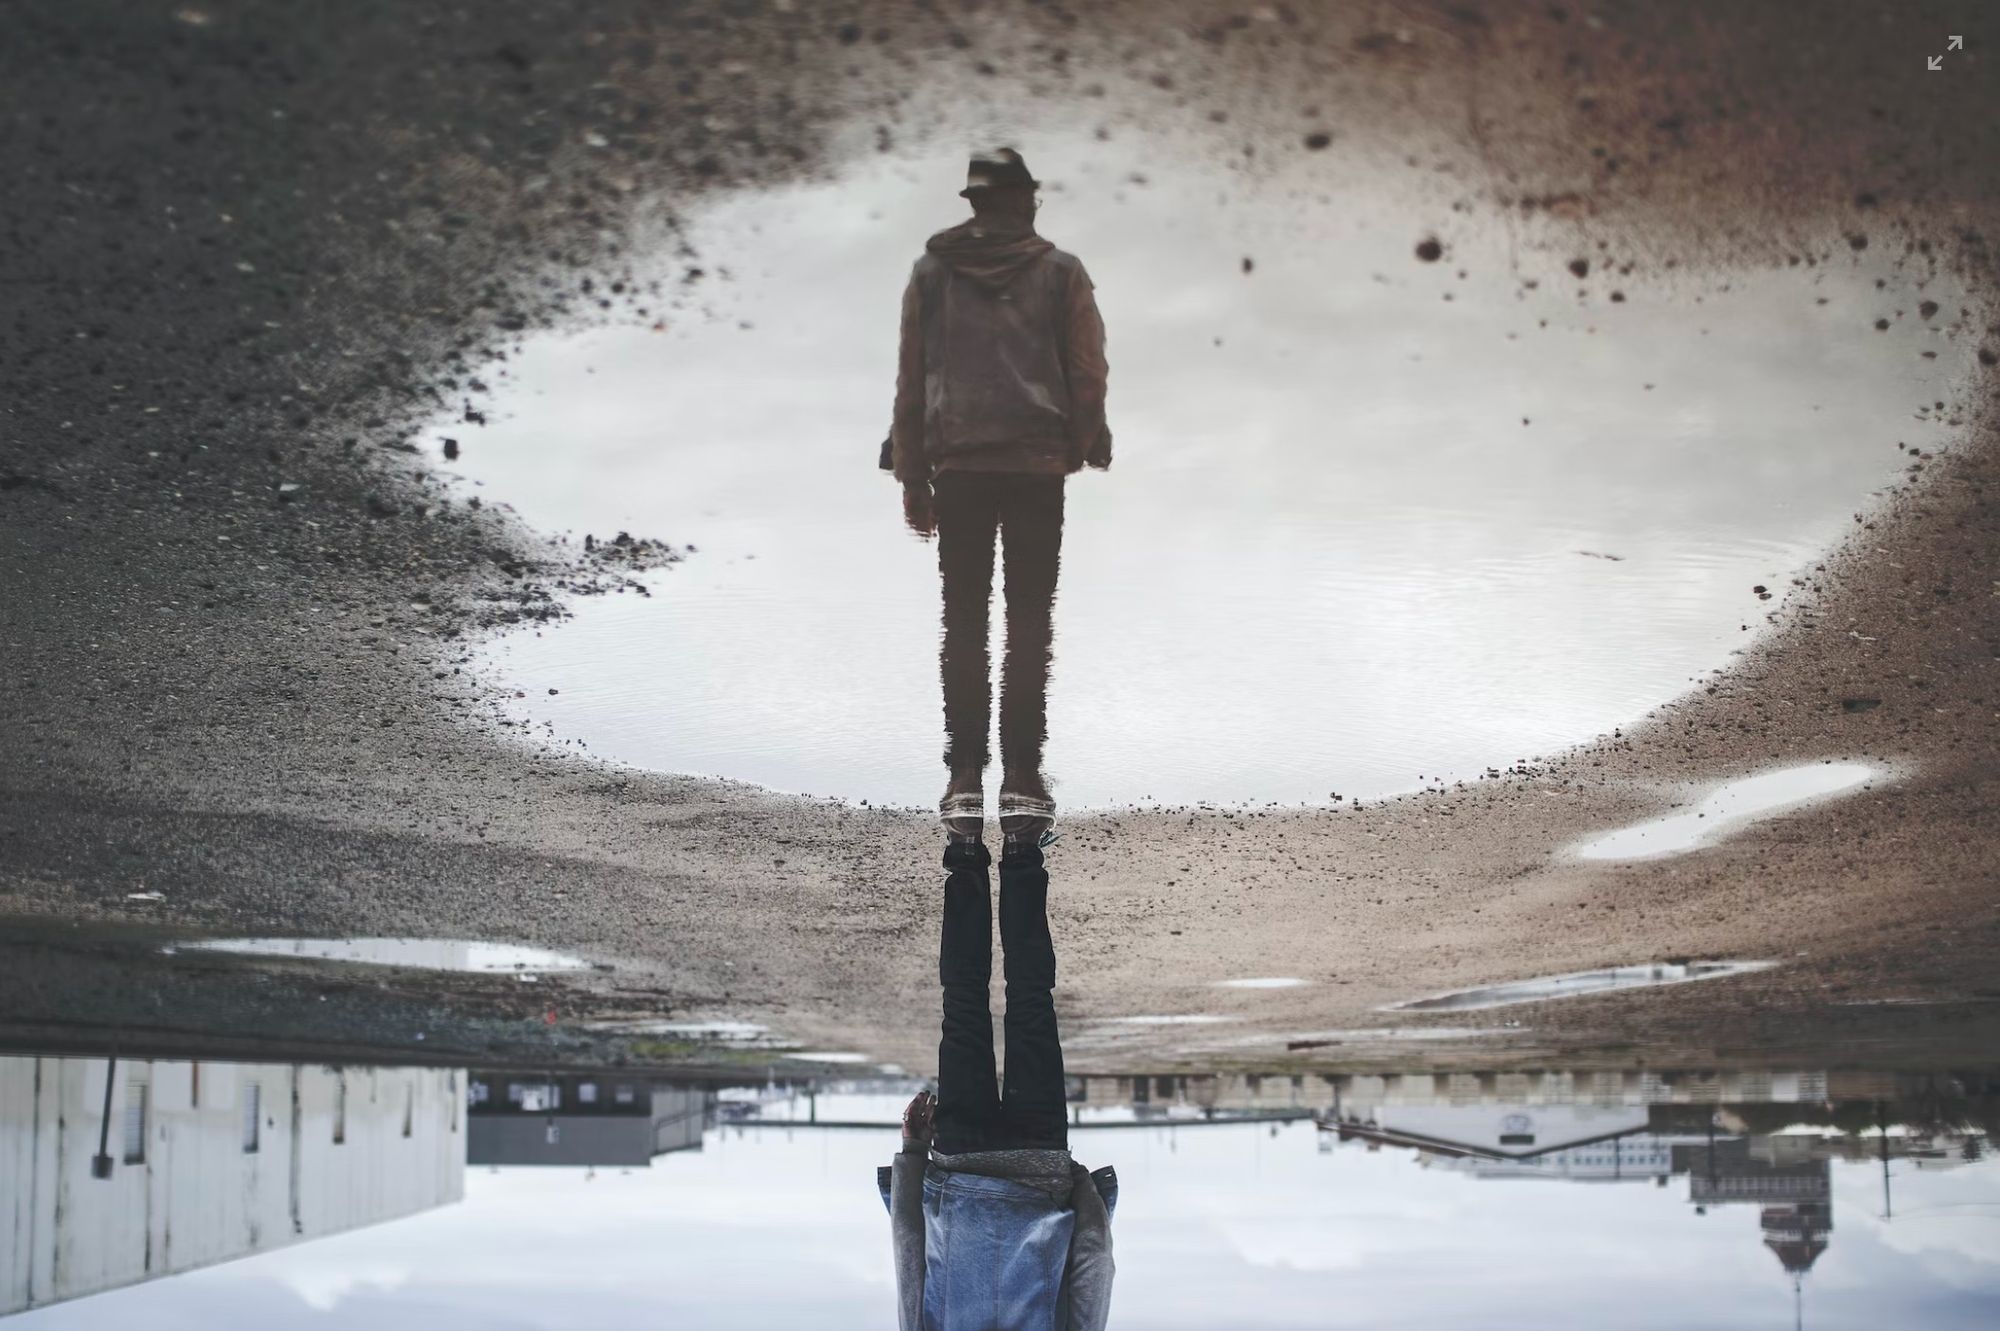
x=1793, y=1191
x=515, y=1118
x=1798, y=1233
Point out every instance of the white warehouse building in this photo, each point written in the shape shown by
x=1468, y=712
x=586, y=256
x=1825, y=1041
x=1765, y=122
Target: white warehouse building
x=205, y=1162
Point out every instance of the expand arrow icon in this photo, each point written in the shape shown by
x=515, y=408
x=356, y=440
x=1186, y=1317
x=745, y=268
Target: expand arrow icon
x=1954, y=43
x=1934, y=62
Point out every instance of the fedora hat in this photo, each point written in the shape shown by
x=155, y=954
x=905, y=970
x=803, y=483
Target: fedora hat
x=1001, y=168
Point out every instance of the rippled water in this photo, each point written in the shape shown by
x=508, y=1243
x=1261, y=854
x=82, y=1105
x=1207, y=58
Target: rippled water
x=1371, y=520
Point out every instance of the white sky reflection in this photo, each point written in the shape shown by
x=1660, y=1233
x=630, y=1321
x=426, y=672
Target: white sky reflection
x=1236, y=1226
x=1329, y=555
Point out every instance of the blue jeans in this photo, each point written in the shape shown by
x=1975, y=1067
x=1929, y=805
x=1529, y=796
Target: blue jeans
x=995, y=1254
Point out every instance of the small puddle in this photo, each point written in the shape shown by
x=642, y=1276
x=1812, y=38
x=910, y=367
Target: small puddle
x=1384, y=488
x=826, y=1056
x=1386, y=1034
x=1578, y=982
x=710, y=1032
x=1263, y=982
x=438, y=954
x=1173, y=1019
x=1728, y=808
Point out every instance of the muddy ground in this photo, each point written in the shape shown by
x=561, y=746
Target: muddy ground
x=246, y=248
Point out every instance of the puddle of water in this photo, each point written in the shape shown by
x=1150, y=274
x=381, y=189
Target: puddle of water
x=1578, y=982
x=735, y=1034
x=1263, y=982
x=442, y=954
x=827, y=1056
x=1173, y=1019
x=1728, y=808
x=736, y=1031
x=1445, y=519
x=1377, y=1034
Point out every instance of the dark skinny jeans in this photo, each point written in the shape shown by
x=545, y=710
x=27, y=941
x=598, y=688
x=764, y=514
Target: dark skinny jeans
x=1026, y=513
x=975, y=1112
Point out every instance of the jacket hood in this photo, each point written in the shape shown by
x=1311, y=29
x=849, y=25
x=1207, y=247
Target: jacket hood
x=990, y=254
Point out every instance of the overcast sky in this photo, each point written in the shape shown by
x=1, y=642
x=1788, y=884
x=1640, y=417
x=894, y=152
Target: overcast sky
x=1216, y=1227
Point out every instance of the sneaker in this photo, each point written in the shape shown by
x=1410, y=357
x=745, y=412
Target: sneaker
x=1036, y=837
x=963, y=816
x=1027, y=818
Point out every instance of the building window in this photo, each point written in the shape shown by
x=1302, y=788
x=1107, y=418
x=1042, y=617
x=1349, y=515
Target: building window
x=541, y=1098
x=253, y=1114
x=135, y=1123
x=339, y=1108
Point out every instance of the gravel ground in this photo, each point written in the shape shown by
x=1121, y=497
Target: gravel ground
x=246, y=248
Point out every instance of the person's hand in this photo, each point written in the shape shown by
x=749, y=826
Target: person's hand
x=917, y=509
x=919, y=1121
x=1098, y=456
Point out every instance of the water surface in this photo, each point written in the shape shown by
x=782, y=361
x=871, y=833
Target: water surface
x=446, y=954
x=1577, y=983
x=1727, y=808
x=1372, y=521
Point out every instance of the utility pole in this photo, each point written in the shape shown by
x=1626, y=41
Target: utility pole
x=1882, y=1134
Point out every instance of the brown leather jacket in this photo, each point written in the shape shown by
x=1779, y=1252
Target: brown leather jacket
x=1002, y=360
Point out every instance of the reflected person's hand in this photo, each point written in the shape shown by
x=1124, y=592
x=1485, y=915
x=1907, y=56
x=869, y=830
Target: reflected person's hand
x=919, y=1121
x=917, y=511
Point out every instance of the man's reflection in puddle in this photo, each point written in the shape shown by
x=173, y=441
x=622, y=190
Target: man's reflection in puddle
x=994, y=1226
x=1000, y=386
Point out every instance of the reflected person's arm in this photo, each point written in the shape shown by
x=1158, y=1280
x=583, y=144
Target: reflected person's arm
x=906, y=430
x=906, y=1209
x=906, y=1235
x=1085, y=367
x=1090, y=1266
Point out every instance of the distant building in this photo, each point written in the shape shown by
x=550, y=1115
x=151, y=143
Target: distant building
x=1798, y=1233
x=1491, y=1131
x=1640, y=1157
x=1748, y=1169
x=1787, y=1179
x=206, y=1162
x=1338, y=1093
x=580, y=1120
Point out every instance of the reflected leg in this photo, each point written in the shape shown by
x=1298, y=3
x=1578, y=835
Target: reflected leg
x=1034, y=1103
x=967, y=520
x=1032, y=522
x=968, y=1096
